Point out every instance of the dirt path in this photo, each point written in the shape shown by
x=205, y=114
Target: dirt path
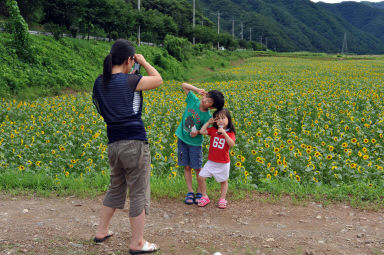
x=66, y=226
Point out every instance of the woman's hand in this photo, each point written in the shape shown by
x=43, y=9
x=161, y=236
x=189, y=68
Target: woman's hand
x=139, y=59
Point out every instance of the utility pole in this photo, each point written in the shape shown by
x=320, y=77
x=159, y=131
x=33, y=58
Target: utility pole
x=250, y=34
x=194, y=7
x=218, y=29
x=344, y=49
x=138, y=33
x=233, y=28
x=242, y=32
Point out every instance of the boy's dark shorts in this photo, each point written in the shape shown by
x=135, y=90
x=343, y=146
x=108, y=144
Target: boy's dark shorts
x=130, y=162
x=189, y=155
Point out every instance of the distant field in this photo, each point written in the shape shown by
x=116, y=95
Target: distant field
x=306, y=120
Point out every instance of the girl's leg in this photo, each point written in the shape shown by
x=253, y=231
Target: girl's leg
x=202, y=185
x=224, y=189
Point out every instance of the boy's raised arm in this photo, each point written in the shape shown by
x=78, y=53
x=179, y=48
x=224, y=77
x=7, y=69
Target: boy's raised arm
x=203, y=130
x=187, y=87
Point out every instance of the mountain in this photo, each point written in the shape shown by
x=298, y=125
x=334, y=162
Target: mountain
x=375, y=5
x=296, y=25
x=368, y=17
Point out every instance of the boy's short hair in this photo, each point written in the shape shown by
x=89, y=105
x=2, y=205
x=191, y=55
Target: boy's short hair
x=218, y=99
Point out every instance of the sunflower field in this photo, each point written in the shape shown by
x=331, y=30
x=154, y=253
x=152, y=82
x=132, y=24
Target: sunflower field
x=314, y=121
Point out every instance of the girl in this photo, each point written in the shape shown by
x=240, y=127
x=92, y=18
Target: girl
x=222, y=139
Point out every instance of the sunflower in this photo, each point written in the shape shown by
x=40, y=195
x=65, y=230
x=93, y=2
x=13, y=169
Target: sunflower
x=345, y=145
x=329, y=157
x=365, y=157
x=21, y=167
x=291, y=147
x=253, y=152
x=289, y=141
x=269, y=176
x=297, y=178
x=354, y=140
x=373, y=140
x=238, y=164
x=366, y=140
x=276, y=149
x=353, y=165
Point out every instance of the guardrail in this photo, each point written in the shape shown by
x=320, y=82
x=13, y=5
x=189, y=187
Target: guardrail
x=34, y=32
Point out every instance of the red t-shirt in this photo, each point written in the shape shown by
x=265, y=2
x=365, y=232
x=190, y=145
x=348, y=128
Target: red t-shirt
x=218, y=147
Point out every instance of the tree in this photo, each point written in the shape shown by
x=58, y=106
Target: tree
x=18, y=28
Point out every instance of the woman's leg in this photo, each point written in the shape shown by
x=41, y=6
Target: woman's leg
x=137, y=228
x=105, y=218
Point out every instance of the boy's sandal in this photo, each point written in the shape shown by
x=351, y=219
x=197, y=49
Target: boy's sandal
x=190, y=198
x=222, y=203
x=198, y=197
x=203, y=201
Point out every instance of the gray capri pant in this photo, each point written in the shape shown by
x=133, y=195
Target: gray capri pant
x=130, y=162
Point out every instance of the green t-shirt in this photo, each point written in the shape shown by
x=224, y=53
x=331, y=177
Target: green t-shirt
x=192, y=119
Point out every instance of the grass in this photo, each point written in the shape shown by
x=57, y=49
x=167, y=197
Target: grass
x=42, y=185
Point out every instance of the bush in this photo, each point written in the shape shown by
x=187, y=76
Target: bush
x=179, y=48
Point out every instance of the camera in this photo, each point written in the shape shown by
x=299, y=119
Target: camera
x=136, y=69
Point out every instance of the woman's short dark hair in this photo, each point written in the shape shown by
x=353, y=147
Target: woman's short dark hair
x=225, y=112
x=218, y=99
x=121, y=50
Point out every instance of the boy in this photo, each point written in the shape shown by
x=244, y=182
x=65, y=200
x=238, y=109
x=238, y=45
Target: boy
x=189, y=144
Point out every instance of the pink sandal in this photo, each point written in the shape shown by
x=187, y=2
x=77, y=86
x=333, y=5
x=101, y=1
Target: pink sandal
x=203, y=201
x=222, y=203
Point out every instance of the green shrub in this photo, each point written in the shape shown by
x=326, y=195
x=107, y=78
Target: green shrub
x=179, y=48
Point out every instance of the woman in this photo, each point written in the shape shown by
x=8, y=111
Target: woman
x=117, y=95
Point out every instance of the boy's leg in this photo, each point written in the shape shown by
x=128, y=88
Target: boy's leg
x=188, y=177
x=224, y=189
x=199, y=190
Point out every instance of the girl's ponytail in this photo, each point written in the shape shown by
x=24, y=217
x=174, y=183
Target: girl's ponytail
x=107, y=70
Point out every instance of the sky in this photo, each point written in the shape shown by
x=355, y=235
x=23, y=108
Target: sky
x=338, y=1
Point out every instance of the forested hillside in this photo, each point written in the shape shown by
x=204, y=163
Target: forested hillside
x=279, y=25
x=363, y=16
x=295, y=25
